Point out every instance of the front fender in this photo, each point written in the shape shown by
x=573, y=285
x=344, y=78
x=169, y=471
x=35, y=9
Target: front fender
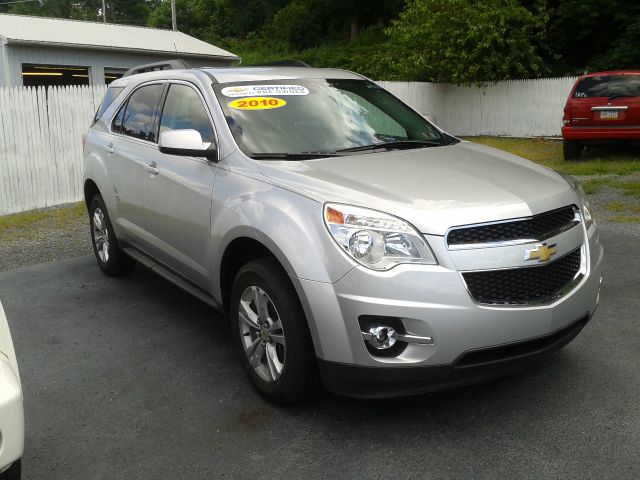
x=289, y=224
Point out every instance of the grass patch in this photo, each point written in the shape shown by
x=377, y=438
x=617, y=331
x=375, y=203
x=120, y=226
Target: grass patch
x=625, y=219
x=623, y=207
x=25, y=225
x=629, y=186
x=595, y=161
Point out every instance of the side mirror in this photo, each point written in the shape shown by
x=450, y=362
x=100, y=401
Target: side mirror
x=187, y=143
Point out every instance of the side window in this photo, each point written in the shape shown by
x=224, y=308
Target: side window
x=136, y=118
x=109, y=97
x=183, y=109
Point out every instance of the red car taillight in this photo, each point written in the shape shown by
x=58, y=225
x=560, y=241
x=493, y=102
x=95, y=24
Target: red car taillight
x=566, y=118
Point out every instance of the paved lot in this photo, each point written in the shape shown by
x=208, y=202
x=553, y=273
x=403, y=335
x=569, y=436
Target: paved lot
x=133, y=379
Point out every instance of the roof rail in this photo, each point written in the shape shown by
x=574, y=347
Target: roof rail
x=152, y=67
x=283, y=63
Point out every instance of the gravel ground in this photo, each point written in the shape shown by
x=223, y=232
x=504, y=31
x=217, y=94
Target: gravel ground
x=47, y=240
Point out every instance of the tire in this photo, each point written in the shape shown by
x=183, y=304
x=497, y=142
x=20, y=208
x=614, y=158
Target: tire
x=111, y=259
x=283, y=365
x=571, y=149
x=14, y=472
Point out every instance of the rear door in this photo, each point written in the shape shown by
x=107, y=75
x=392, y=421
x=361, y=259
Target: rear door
x=132, y=143
x=178, y=207
x=608, y=100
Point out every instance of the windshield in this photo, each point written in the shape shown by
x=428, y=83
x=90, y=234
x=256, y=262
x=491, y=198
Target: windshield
x=608, y=86
x=320, y=116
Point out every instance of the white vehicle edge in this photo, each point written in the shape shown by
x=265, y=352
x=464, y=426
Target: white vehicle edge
x=11, y=406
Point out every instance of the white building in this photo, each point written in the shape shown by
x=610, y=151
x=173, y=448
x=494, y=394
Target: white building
x=49, y=51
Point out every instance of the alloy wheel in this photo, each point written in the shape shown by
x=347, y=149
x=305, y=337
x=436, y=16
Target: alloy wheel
x=262, y=334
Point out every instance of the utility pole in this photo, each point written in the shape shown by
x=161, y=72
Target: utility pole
x=174, y=24
x=104, y=11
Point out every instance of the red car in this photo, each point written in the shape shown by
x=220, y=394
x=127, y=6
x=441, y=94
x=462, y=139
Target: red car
x=601, y=106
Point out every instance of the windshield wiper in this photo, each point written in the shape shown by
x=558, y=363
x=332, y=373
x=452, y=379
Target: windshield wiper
x=290, y=156
x=398, y=144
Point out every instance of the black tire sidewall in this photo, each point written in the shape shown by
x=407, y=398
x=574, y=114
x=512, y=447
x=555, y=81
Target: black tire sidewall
x=118, y=263
x=571, y=149
x=96, y=203
x=299, y=366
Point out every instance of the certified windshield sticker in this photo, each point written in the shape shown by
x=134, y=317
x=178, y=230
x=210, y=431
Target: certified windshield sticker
x=252, y=90
x=257, y=103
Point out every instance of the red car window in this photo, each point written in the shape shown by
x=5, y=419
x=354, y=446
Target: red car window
x=608, y=86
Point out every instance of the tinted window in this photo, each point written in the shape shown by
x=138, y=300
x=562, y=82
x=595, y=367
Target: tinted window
x=139, y=113
x=183, y=109
x=109, y=97
x=608, y=86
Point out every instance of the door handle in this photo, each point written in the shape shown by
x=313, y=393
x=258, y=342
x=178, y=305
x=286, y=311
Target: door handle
x=109, y=148
x=152, y=168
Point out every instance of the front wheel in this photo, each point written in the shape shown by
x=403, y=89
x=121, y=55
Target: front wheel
x=271, y=332
x=111, y=259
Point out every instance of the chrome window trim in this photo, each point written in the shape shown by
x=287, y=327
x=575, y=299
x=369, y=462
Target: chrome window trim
x=568, y=288
x=577, y=220
x=609, y=107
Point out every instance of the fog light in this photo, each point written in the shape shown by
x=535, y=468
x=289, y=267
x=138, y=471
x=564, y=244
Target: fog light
x=382, y=337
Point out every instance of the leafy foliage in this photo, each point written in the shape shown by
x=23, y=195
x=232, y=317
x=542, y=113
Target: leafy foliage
x=461, y=41
x=483, y=41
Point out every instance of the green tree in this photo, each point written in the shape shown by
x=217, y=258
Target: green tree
x=133, y=12
x=85, y=10
x=593, y=34
x=466, y=41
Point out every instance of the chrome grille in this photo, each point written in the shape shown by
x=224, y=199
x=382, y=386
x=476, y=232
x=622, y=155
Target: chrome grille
x=538, y=227
x=519, y=286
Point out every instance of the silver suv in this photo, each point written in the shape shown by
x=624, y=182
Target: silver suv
x=349, y=241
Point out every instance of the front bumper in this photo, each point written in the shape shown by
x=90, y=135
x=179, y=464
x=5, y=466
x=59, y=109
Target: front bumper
x=431, y=301
x=470, y=367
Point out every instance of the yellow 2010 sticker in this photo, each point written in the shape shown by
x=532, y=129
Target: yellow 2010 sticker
x=257, y=103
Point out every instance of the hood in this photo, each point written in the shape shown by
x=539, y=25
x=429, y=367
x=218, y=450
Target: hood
x=432, y=188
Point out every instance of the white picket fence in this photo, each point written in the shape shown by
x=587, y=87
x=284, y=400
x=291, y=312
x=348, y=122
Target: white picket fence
x=517, y=108
x=41, y=144
x=41, y=130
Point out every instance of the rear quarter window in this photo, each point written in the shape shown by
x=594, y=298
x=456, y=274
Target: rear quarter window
x=109, y=97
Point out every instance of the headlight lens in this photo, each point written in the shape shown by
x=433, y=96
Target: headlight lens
x=585, y=208
x=375, y=239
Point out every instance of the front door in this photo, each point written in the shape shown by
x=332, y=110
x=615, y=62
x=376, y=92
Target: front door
x=179, y=211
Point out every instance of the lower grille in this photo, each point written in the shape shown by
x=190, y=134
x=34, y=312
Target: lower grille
x=520, y=350
x=524, y=285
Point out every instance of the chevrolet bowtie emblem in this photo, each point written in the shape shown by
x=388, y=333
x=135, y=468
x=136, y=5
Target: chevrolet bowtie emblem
x=542, y=252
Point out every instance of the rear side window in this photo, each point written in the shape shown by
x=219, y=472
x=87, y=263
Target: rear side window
x=109, y=97
x=608, y=86
x=184, y=109
x=137, y=117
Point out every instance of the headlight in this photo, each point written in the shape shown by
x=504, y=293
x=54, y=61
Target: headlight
x=375, y=239
x=585, y=208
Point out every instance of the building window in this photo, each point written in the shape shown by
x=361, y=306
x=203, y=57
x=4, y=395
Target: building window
x=34, y=75
x=113, y=73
